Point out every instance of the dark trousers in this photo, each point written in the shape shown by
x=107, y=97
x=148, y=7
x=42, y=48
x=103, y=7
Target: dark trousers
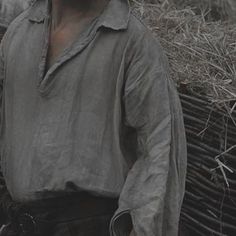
x=76, y=215
x=92, y=226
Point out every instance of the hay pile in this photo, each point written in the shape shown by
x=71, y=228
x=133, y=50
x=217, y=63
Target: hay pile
x=199, y=37
x=201, y=48
x=217, y=9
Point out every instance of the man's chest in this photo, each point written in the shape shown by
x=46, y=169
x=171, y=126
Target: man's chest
x=92, y=62
x=61, y=39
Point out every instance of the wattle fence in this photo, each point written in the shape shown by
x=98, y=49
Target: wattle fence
x=210, y=201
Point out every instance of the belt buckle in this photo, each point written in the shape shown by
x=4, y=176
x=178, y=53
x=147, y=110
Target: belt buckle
x=27, y=223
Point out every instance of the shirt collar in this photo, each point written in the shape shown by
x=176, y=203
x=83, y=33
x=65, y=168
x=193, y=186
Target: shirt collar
x=115, y=15
x=38, y=11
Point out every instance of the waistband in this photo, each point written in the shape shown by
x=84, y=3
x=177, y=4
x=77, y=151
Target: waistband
x=41, y=215
x=79, y=199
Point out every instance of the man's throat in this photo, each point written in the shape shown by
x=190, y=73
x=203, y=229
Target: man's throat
x=67, y=22
x=63, y=11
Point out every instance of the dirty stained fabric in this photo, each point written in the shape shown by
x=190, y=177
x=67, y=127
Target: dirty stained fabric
x=10, y=9
x=105, y=118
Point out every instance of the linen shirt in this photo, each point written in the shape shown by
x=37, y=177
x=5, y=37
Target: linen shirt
x=10, y=9
x=105, y=118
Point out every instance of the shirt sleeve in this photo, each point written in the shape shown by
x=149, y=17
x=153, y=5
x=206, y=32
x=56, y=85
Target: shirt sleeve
x=3, y=189
x=147, y=101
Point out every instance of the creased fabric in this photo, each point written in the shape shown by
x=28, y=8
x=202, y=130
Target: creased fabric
x=154, y=188
x=3, y=188
x=105, y=118
x=10, y=9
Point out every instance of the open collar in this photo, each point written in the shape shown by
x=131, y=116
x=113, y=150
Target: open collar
x=38, y=11
x=115, y=15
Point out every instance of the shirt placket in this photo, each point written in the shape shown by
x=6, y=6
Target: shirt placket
x=47, y=80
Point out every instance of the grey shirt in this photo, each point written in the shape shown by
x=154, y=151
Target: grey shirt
x=105, y=118
x=10, y=9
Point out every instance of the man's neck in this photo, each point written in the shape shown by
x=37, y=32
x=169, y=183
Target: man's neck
x=67, y=10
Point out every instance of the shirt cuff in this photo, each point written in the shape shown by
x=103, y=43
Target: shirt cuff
x=121, y=224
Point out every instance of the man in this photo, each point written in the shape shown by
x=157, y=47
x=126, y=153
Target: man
x=89, y=116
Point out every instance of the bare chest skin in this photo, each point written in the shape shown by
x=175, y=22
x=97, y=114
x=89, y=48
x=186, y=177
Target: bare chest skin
x=68, y=19
x=63, y=37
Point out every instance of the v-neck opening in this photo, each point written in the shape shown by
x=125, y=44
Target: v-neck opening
x=69, y=47
x=83, y=38
x=45, y=80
